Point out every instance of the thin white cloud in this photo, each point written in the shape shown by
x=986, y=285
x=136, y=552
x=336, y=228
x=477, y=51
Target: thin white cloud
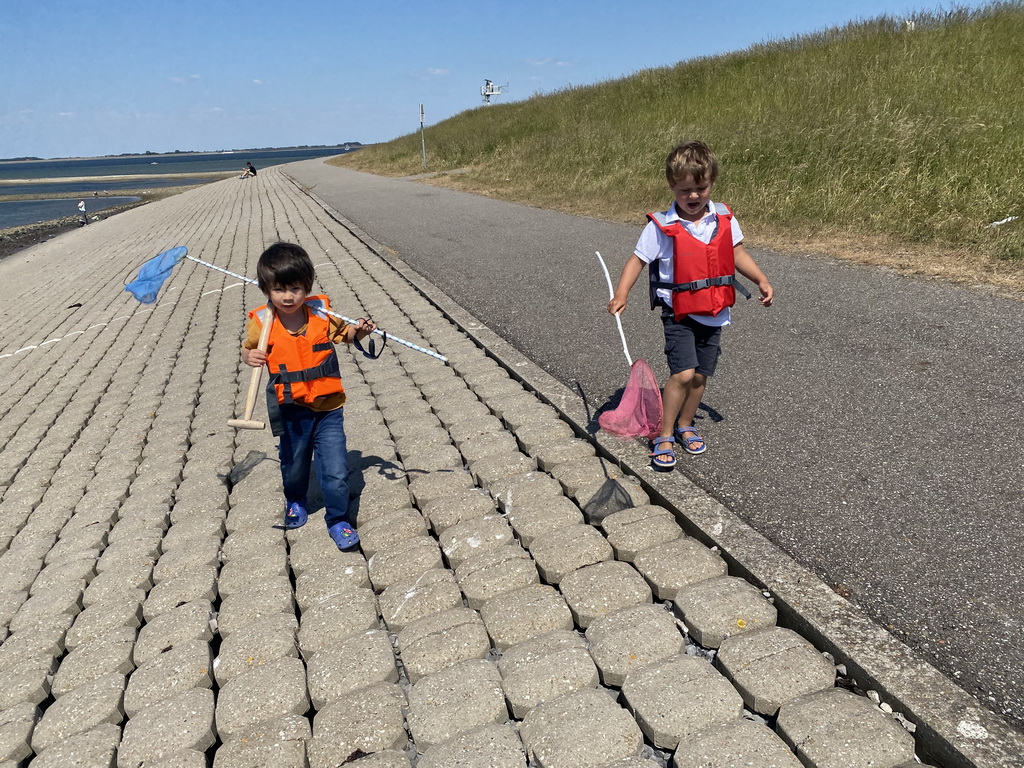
x=437, y=72
x=258, y=82
x=65, y=114
x=549, y=62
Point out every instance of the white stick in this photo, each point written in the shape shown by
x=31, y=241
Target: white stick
x=611, y=295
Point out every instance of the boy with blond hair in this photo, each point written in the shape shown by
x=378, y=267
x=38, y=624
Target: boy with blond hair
x=693, y=251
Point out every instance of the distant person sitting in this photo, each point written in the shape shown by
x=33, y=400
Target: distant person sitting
x=248, y=171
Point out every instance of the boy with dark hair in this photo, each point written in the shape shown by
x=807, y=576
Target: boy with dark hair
x=693, y=250
x=305, y=397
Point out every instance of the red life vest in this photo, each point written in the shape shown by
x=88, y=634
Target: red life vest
x=702, y=275
x=305, y=367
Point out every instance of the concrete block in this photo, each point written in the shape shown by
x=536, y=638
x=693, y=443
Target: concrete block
x=201, y=553
x=544, y=668
x=277, y=743
x=10, y=602
x=428, y=593
x=192, y=530
x=261, y=599
x=521, y=488
x=719, y=608
x=315, y=552
x=243, y=542
x=771, y=666
x=389, y=529
x=517, y=407
x=185, y=666
x=256, y=645
x=490, y=746
x=676, y=564
x=491, y=444
x=633, y=530
x=168, y=728
x=837, y=728
x=329, y=579
x=493, y=573
x=143, y=544
x=435, y=485
x=516, y=616
x=538, y=434
x=603, y=588
x=583, y=729
x=487, y=472
x=44, y=640
x=60, y=599
x=455, y=701
x=600, y=498
x=469, y=428
x=200, y=584
x=585, y=472
x=558, y=553
x=403, y=561
x=468, y=504
x=473, y=537
x=103, y=617
x=552, y=454
x=80, y=569
x=262, y=693
x=96, y=748
x=433, y=459
x=16, y=726
x=183, y=624
x=118, y=581
x=674, y=698
x=531, y=518
x=242, y=572
x=356, y=662
x=451, y=412
x=335, y=618
x=111, y=653
x=368, y=720
x=440, y=640
x=737, y=742
x=28, y=681
x=632, y=638
x=91, y=704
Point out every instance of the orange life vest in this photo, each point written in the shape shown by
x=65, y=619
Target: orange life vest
x=305, y=367
x=703, y=276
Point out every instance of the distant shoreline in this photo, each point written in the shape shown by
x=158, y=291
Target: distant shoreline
x=15, y=239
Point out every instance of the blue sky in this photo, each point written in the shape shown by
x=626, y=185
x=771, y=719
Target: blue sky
x=95, y=78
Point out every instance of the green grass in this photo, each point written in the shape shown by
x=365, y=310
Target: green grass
x=915, y=135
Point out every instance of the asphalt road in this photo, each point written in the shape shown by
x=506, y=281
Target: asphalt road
x=869, y=424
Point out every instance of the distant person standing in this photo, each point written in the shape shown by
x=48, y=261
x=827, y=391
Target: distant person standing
x=248, y=171
x=81, y=207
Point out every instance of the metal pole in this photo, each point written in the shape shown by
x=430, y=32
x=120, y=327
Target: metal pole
x=423, y=139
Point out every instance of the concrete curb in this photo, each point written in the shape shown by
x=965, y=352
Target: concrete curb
x=952, y=728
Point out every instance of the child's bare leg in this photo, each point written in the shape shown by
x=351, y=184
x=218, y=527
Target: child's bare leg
x=674, y=398
x=688, y=411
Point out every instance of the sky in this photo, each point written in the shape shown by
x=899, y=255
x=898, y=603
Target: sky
x=83, y=79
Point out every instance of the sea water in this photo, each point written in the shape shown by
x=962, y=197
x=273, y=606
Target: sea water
x=97, y=170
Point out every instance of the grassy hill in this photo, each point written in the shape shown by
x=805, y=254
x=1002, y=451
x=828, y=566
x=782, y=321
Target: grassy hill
x=881, y=134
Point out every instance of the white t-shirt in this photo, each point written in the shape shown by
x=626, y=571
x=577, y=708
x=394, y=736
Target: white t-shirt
x=656, y=245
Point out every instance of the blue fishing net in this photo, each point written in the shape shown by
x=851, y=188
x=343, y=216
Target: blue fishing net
x=154, y=273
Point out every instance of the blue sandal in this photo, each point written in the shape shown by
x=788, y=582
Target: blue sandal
x=668, y=453
x=689, y=441
x=344, y=535
x=295, y=515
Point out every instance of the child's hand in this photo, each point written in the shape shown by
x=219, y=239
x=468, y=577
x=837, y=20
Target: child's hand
x=363, y=328
x=767, y=293
x=616, y=305
x=254, y=357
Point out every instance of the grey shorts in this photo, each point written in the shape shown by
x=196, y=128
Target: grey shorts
x=691, y=345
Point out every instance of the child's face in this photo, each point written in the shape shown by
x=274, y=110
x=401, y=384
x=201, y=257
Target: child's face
x=691, y=198
x=288, y=300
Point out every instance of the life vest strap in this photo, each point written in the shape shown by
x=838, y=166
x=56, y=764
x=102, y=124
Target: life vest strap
x=697, y=285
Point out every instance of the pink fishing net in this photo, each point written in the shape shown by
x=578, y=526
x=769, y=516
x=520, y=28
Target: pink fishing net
x=639, y=412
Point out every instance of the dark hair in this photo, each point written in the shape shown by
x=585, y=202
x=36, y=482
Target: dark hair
x=284, y=264
x=694, y=159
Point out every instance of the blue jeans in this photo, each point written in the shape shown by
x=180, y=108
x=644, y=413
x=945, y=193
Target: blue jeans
x=317, y=438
